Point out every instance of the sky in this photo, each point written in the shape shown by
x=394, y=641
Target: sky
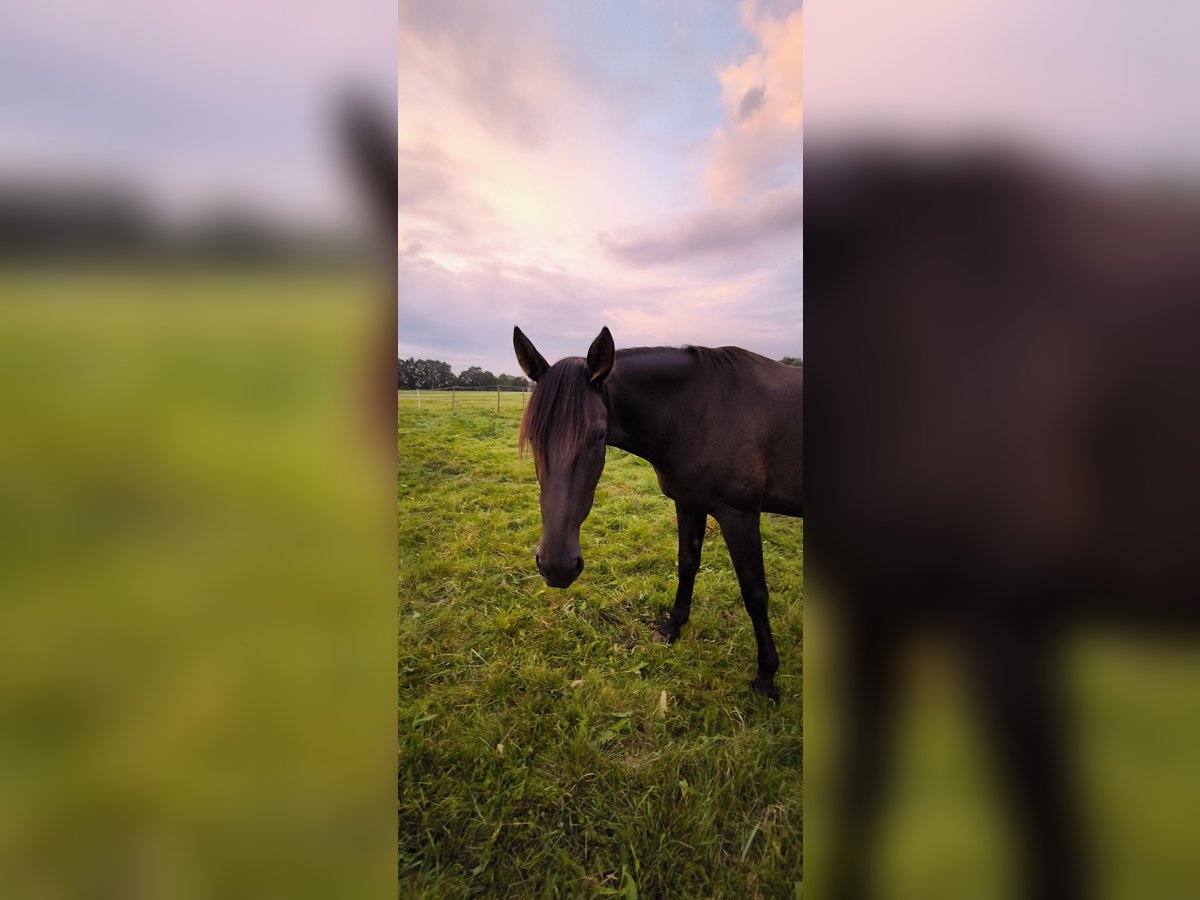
x=195, y=103
x=635, y=164
x=569, y=164
x=1099, y=84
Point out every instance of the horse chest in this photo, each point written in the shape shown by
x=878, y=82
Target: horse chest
x=716, y=487
x=680, y=487
x=664, y=484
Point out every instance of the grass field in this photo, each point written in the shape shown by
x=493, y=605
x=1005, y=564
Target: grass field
x=547, y=747
x=466, y=400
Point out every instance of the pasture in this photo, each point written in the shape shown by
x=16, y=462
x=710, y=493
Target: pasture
x=547, y=746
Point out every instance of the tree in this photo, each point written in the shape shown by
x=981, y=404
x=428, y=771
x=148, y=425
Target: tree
x=423, y=374
x=793, y=361
x=476, y=377
x=406, y=374
x=514, y=381
x=433, y=374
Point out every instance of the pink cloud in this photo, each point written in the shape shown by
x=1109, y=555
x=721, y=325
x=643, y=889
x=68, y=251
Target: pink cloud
x=751, y=181
x=758, y=223
x=763, y=94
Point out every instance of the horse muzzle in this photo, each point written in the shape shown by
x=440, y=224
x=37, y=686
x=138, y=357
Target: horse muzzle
x=559, y=576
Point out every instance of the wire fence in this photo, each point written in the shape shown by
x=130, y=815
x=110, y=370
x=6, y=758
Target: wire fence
x=495, y=398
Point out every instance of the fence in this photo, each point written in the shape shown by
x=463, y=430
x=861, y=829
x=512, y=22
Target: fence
x=492, y=397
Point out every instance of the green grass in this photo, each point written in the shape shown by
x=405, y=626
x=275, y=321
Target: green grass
x=547, y=746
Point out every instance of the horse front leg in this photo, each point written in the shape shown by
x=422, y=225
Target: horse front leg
x=692, y=523
x=1018, y=684
x=741, y=533
x=868, y=658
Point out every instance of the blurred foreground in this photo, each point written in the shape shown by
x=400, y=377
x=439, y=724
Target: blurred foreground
x=1002, y=292
x=1002, y=387
x=197, y=574
x=196, y=562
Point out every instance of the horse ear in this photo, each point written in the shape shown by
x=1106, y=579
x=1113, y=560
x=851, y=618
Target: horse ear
x=368, y=143
x=532, y=363
x=600, y=356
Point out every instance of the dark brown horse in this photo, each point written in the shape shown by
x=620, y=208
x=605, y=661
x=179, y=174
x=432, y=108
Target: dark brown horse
x=1005, y=449
x=721, y=427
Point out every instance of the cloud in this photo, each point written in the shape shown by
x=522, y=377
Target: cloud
x=761, y=144
x=751, y=181
x=751, y=101
x=505, y=155
x=779, y=214
x=504, y=70
x=465, y=317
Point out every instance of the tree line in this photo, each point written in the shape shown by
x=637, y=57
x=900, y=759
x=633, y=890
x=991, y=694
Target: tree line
x=81, y=217
x=433, y=374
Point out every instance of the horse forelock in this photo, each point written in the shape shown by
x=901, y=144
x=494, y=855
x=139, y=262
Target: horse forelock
x=558, y=417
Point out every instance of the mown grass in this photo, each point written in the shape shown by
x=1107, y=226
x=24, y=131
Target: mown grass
x=547, y=746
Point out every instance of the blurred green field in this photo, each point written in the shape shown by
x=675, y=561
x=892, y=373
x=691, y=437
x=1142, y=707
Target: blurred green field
x=196, y=581
x=547, y=746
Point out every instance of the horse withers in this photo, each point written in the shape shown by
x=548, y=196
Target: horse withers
x=723, y=429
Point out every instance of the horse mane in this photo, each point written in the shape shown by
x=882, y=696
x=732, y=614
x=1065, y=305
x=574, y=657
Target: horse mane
x=558, y=417
x=713, y=357
x=721, y=357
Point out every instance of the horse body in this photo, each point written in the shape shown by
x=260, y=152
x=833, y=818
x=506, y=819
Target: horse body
x=719, y=435
x=1007, y=448
x=722, y=429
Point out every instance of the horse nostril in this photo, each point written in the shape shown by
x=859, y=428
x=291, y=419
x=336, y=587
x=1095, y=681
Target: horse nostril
x=537, y=558
x=578, y=564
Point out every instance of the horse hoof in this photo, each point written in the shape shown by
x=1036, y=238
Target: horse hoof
x=663, y=637
x=766, y=688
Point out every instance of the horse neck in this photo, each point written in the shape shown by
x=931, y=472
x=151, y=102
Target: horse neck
x=648, y=401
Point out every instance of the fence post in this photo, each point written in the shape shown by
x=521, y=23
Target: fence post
x=497, y=398
x=522, y=398
x=453, y=394
x=418, y=398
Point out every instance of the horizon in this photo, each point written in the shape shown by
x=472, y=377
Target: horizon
x=517, y=373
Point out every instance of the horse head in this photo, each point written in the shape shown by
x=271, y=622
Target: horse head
x=566, y=425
